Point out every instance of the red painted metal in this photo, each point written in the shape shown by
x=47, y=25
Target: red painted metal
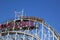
x=28, y=23
x=17, y=24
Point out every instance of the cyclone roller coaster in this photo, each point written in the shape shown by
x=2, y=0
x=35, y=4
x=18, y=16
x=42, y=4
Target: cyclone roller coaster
x=27, y=28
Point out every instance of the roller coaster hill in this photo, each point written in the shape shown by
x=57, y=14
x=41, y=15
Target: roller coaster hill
x=27, y=28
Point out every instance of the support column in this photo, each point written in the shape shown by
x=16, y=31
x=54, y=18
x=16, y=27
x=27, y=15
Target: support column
x=53, y=34
x=42, y=32
x=16, y=36
x=37, y=29
x=0, y=34
x=24, y=36
x=48, y=34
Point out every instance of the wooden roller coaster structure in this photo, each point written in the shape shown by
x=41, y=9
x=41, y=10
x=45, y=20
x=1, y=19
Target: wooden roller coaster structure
x=27, y=23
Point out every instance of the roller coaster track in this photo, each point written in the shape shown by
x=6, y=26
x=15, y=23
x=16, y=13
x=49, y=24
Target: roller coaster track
x=20, y=32
x=45, y=25
x=39, y=20
x=42, y=21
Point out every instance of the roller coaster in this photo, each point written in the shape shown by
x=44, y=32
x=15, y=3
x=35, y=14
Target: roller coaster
x=27, y=28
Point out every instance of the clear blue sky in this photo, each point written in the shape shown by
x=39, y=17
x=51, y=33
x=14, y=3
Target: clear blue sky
x=49, y=10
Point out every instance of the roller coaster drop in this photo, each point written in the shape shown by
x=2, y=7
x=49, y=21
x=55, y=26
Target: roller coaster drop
x=27, y=28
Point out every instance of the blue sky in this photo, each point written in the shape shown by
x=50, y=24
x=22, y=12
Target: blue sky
x=49, y=10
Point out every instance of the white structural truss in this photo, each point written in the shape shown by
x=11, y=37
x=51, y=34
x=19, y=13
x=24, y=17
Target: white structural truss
x=27, y=28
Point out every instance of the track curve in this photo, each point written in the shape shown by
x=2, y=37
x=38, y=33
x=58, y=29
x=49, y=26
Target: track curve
x=40, y=20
